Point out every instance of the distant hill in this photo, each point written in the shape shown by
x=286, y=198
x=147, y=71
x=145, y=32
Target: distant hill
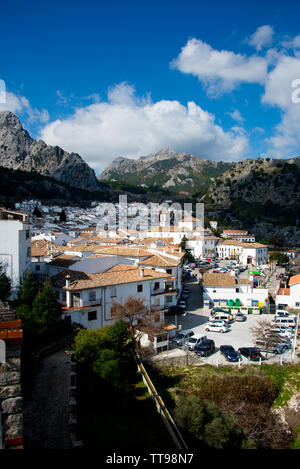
x=17, y=185
x=170, y=171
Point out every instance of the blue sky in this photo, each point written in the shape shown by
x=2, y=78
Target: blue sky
x=106, y=79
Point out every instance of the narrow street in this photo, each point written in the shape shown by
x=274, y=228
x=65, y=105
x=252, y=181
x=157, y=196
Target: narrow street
x=46, y=410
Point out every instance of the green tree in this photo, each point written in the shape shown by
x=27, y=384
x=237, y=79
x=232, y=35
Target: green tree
x=5, y=285
x=46, y=311
x=27, y=290
x=103, y=350
x=208, y=424
x=188, y=256
x=279, y=257
x=62, y=216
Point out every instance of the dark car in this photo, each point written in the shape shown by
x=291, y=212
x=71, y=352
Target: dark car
x=205, y=348
x=229, y=353
x=217, y=310
x=252, y=353
x=174, y=310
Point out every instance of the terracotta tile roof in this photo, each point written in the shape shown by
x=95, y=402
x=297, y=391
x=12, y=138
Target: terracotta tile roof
x=294, y=279
x=123, y=251
x=189, y=219
x=235, y=231
x=244, y=281
x=160, y=261
x=64, y=260
x=43, y=248
x=119, y=274
x=218, y=280
x=283, y=291
x=82, y=248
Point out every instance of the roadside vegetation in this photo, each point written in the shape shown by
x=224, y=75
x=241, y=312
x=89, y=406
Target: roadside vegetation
x=115, y=408
x=252, y=397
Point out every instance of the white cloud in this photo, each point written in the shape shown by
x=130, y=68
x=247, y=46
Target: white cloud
x=21, y=106
x=219, y=71
x=263, y=37
x=279, y=93
x=126, y=125
x=236, y=115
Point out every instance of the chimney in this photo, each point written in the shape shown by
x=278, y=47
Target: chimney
x=68, y=283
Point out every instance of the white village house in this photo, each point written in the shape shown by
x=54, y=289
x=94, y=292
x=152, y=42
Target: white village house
x=87, y=298
x=15, y=244
x=218, y=289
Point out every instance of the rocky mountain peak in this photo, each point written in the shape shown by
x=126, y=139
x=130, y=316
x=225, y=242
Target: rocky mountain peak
x=19, y=151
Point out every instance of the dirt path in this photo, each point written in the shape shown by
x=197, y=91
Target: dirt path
x=46, y=412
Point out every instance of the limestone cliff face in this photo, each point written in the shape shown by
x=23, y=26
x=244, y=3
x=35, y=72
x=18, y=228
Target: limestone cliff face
x=19, y=151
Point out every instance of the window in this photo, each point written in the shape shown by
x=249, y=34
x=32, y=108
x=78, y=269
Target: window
x=140, y=288
x=169, y=271
x=92, y=296
x=297, y=304
x=27, y=234
x=237, y=289
x=92, y=315
x=29, y=252
x=113, y=291
x=169, y=298
x=37, y=268
x=156, y=286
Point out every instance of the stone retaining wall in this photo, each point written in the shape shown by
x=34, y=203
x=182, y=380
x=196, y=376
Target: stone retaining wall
x=11, y=400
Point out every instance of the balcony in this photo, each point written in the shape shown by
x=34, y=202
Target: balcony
x=157, y=307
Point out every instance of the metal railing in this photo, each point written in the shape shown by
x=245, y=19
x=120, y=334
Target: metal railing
x=161, y=407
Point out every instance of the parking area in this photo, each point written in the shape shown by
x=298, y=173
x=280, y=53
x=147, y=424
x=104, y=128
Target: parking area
x=239, y=334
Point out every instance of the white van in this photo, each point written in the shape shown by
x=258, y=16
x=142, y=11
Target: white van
x=195, y=340
x=183, y=336
x=289, y=321
x=227, y=317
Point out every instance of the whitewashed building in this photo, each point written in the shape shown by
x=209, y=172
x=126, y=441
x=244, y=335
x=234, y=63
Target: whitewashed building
x=87, y=298
x=15, y=244
x=289, y=297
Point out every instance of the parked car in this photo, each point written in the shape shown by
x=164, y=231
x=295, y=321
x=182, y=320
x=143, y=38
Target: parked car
x=268, y=346
x=195, y=340
x=287, y=321
x=252, y=353
x=230, y=353
x=215, y=327
x=240, y=317
x=217, y=310
x=219, y=321
x=285, y=334
x=282, y=314
x=227, y=317
x=205, y=348
x=183, y=336
x=219, y=317
x=287, y=329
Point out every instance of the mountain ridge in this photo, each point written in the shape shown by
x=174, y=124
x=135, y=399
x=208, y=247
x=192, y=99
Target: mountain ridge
x=19, y=151
x=166, y=169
